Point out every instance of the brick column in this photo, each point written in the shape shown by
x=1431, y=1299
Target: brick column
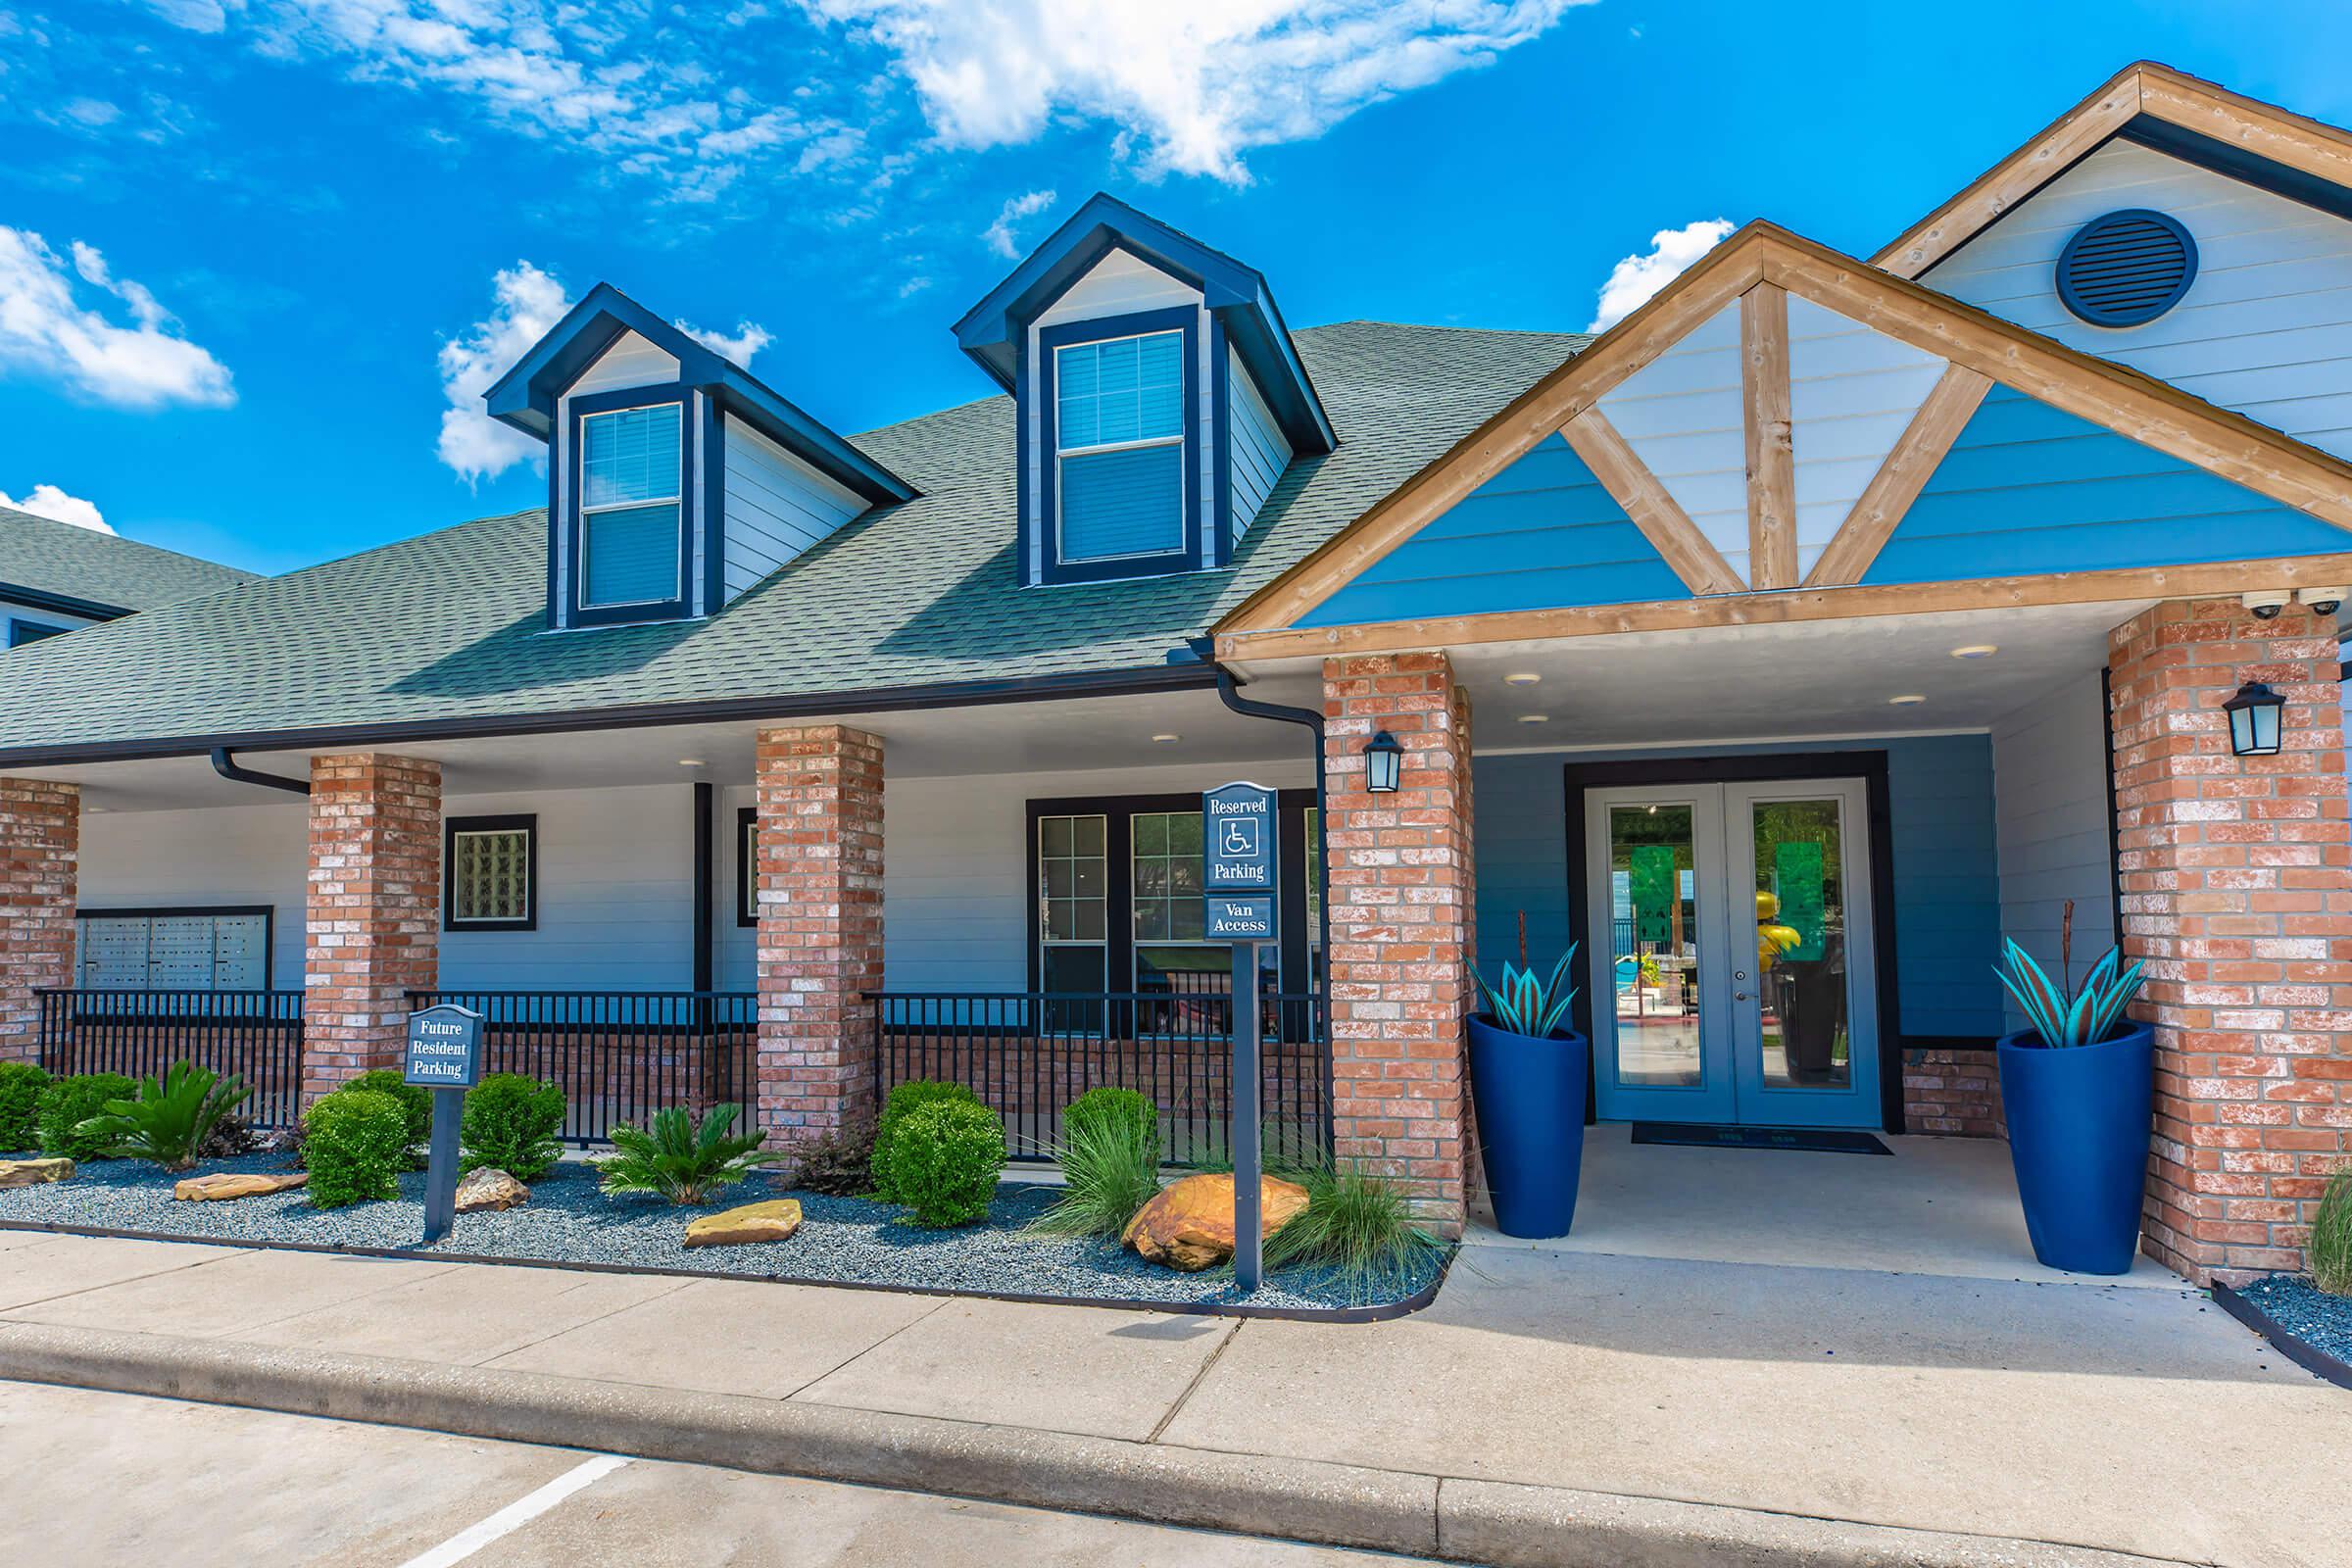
x=374, y=923
x=1401, y=886
x=2238, y=894
x=820, y=790
x=40, y=841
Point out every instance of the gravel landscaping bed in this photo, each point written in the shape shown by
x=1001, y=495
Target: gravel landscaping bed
x=850, y=1241
x=2319, y=1320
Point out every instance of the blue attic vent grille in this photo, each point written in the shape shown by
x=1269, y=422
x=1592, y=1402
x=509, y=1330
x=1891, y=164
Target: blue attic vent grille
x=2126, y=268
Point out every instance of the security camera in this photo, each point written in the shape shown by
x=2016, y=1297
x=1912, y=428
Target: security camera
x=2267, y=603
x=2323, y=601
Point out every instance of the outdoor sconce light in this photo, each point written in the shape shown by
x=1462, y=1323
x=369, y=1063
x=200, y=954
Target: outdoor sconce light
x=2254, y=719
x=1384, y=758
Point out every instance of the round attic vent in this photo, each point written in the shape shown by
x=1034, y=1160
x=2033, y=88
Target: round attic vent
x=2126, y=267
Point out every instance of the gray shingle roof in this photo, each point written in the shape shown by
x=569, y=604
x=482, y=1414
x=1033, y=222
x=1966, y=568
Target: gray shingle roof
x=101, y=569
x=446, y=628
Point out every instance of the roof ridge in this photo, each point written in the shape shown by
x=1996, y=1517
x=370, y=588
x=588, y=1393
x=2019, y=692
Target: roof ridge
x=125, y=539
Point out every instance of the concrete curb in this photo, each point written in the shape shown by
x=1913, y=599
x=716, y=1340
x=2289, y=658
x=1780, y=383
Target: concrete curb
x=1507, y=1525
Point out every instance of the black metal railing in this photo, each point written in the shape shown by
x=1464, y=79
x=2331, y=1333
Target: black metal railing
x=621, y=1056
x=255, y=1035
x=1028, y=1055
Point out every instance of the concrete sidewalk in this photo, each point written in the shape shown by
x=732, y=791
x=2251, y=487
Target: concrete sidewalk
x=1550, y=1407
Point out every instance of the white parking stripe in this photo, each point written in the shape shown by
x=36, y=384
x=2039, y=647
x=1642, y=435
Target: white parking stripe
x=515, y=1515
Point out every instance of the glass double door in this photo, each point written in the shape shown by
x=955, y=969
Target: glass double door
x=1732, y=977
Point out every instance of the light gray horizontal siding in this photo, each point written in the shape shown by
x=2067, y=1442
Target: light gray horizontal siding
x=776, y=506
x=1259, y=451
x=2049, y=763
x=238, y=854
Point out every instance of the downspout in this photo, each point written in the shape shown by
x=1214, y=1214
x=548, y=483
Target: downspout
x=1229, y=692
x=227, y=765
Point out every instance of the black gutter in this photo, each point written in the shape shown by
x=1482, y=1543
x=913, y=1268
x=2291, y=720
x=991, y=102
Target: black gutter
x=1229, y=692
x=642, y=715
x=229, y=768
x=62, y=603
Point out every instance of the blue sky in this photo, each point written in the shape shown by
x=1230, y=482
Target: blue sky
x=257, y=254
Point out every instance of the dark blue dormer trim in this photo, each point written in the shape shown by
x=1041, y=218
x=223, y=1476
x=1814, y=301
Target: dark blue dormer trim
x=1220, y=551
x=1046, y=521
x=575, y=537
x=526, y=396
x=993, y=331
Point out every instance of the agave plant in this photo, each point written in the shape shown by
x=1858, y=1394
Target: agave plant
x=681, y=1161
x=170, y=1119
x=2062, y=1018
x=1526, y=1005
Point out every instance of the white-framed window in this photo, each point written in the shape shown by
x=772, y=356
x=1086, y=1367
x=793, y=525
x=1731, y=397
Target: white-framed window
x=1169, y=954
x=1118, y=447
x=491, y=873
x=630, y=462
x=1073, y=881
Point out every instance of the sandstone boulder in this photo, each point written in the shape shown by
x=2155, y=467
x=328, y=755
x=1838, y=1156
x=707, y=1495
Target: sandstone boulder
x=33, y=1172
x=488, y=1189
x=771, y=1221
x=222, y=1186
x=1188, y=1226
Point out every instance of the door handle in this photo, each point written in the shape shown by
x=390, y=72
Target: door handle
x=1739, y=995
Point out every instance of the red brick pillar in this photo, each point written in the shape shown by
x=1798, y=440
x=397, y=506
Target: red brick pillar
x=2238, y=894
x=820, y=790
x=1402, y=929
x=374, y=926
x=40, y=839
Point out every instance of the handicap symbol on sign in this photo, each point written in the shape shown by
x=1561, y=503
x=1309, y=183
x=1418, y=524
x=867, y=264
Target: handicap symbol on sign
x=1239, y=836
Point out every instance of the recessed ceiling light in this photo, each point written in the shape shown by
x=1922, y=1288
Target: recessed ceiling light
x=1907, y=700
x=1976, y=651
x=1165, y=740
x=1524, y=677
x=690, y=761
x=1535, y=719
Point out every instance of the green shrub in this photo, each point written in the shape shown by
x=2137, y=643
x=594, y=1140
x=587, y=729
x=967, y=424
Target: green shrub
x=1355, y=1224
x=355, y=1142
x=169, y=1119
x=21, y=1085
x=680, y=1160
x=509, y=1124
x=840, y=1164
x=2330, y=1245
x=1109, y=1167
x=903, y=1102
x=416, y=1106
x=67, y=1103
x=1098, y=1106
x=946, y=1159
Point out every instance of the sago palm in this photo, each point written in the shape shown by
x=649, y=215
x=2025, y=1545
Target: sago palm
x=681, y=1161
x=171, y=1117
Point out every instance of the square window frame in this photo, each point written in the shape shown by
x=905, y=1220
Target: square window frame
x=581, y=408
x=747, y=878
x=524, y=822
x=1045, y=399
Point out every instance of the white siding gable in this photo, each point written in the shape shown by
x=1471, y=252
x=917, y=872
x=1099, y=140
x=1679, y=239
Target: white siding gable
x=776, y=506
x=1259, y=453
x=1684, y=417
x=1851, y=394
x=2266, y=329
x=631, y=361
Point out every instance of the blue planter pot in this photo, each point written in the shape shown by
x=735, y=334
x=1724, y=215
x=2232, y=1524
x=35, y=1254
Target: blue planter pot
x=1528, y=1095
x=2079, y=1127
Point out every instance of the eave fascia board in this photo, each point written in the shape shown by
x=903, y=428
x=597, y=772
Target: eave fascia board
x=536, y=380
x=798, y=433
x=64, y=604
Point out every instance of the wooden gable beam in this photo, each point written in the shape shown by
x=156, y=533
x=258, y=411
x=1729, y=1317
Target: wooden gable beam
x=1771, y=445
x=1924, y=443
x=1662, y=520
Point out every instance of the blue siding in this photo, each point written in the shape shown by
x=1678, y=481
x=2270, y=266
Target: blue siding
x=2030, y=488
x=1946, y=889
x=1538, y=535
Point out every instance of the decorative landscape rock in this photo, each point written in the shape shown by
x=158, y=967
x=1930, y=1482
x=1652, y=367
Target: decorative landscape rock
x=222, y=1186
x=772, y=1221
x=33, y=1172
x=488, y=1189
x=1189, y=1226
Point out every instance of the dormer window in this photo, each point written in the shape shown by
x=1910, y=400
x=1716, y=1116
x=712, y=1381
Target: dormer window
x=633, y=541
x=1119, y=439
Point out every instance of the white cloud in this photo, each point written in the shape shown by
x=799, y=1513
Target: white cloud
x=46, y=330
x=749, y=339
x=1635, y=279
x=1000, y=234
x=1195, y=85
x=526, y=302
x=48, y=501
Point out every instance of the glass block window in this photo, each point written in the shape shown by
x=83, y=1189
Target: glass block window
x=1073, y=881
x=491, y=867
x=629, y=478
x=747, y=866
x=1118, y=425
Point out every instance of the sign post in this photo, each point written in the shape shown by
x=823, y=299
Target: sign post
x=1237, y=877
x=445, y=1055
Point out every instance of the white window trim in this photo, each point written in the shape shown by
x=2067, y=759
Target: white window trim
x=1061, y=489
x=677, y=500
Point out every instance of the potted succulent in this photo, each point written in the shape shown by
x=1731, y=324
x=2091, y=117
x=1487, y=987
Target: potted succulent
x=1528, y=1074
x=2079, y=1088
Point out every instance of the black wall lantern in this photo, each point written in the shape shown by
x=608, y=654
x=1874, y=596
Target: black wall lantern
x=1384, y=759
x=2254, y=719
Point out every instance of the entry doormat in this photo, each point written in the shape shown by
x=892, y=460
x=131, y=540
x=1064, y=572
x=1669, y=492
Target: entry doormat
x=1812, y=1140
